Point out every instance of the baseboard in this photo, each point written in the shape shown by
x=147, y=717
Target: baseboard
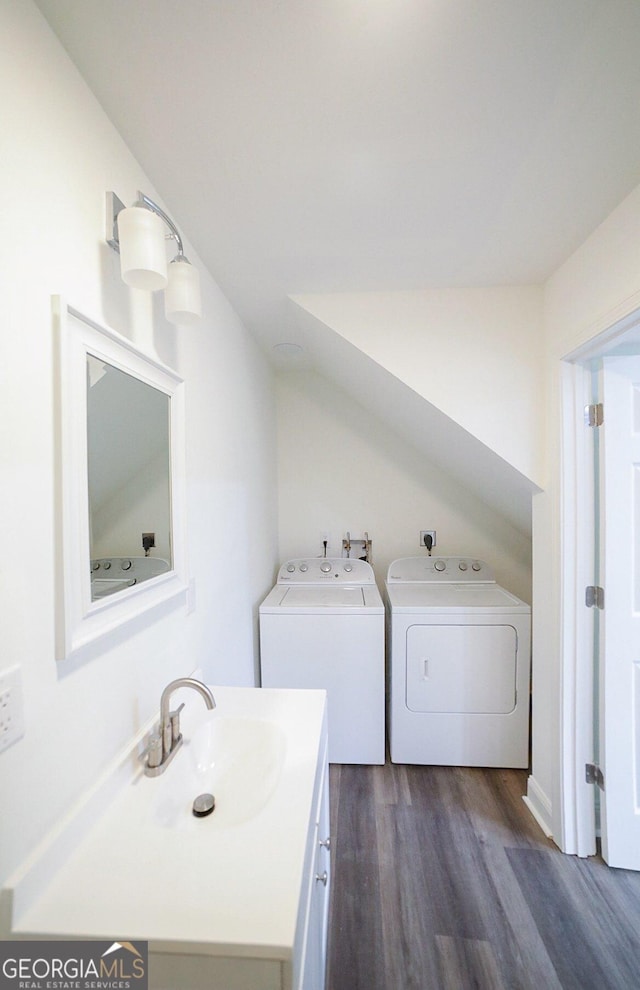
x=539, y=805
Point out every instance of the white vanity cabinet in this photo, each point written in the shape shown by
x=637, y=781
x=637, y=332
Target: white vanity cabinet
x=230, y=902
x=303, y=968
x=309, y=969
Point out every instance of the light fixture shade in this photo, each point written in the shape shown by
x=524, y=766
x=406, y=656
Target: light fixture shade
x=143, y=253
x=182, y=296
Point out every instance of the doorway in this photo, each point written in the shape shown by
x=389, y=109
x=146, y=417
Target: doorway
x=596, y=723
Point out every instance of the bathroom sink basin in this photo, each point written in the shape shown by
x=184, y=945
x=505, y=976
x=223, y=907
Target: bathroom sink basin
x=133, y=858
x=238, y=760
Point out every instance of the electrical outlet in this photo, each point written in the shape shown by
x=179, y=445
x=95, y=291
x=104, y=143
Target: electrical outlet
x=427, y=532
x=11, y=711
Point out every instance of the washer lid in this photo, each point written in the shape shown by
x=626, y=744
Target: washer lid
x=454, y=597
x=299, y=596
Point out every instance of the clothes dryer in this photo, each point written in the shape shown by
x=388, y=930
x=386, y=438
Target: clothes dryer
x=322, y=626
x=459, y=650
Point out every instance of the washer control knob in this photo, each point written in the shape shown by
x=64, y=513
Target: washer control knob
x=440, y=565
x=463, y=565
x=304, y=567
x=291, y=568
x=107, y=565
x=125, y=565
x=476, y=566
x=325, y=566
x=95, y=566
x=348, y=567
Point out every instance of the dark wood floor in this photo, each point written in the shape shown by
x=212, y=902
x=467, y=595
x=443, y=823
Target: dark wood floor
x=443, y=881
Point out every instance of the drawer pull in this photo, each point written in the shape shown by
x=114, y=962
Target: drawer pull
x=322, y=878
x=326, y=843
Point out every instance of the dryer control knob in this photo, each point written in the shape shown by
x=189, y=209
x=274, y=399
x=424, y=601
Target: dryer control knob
x=125, y=565
x=476, y=566
x=440, y=565
x=463, y=565
x=304, y=567
x=326, y=567
x=291, y=568
x=348, y=567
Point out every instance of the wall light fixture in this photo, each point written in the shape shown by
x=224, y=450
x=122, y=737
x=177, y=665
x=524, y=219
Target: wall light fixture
x=139, y=233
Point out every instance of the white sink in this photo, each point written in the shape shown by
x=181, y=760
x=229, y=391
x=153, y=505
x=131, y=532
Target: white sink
x=238, y=760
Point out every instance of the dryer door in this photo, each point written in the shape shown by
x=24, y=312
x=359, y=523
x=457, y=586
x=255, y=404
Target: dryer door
x=468, y=669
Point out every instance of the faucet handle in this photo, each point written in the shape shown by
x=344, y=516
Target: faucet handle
x=153, y=751
x=175, y=723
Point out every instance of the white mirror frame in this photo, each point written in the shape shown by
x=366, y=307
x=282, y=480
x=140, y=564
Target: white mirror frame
x=79, y=620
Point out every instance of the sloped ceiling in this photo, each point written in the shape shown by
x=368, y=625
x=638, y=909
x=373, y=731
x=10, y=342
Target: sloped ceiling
x=370, y=145
x=434, y=435
x=354, y=145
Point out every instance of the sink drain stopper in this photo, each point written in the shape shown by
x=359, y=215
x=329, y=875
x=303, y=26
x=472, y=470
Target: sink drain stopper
x=203, y=805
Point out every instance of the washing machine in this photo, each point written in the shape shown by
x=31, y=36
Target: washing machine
x=459, y=665
x=323, y=626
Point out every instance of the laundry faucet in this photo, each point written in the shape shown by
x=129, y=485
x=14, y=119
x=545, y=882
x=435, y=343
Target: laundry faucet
x=164, y=745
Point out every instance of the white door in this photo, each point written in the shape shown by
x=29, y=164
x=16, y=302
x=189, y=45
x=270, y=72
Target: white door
x=620, y=618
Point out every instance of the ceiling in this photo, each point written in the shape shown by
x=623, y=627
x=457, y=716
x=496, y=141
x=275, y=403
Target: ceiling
x=308, y=146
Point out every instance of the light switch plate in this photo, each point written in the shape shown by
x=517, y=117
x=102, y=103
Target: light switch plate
x=191, y=596
x=11, y=707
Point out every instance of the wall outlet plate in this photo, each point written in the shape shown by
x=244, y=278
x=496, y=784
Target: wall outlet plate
x=427, y=532
x=11, y=708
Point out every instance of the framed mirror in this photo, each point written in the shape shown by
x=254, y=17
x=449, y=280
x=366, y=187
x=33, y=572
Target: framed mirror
x=120, y=481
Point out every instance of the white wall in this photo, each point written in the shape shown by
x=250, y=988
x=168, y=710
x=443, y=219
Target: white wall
x=58, y=155
x=597, y=285
x=341, y=469
x=471, y=352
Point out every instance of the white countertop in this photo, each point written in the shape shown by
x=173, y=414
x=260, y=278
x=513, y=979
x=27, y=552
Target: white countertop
x=209, y=885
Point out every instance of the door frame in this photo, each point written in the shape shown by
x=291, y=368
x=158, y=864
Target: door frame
x=577, y=520
x=577, y=510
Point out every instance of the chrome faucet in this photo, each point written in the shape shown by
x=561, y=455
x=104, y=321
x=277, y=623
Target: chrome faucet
x=164, y=745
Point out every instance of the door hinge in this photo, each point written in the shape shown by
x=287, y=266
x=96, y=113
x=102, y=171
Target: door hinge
x=594, y=596
x=594, y=414
x=594, y=775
